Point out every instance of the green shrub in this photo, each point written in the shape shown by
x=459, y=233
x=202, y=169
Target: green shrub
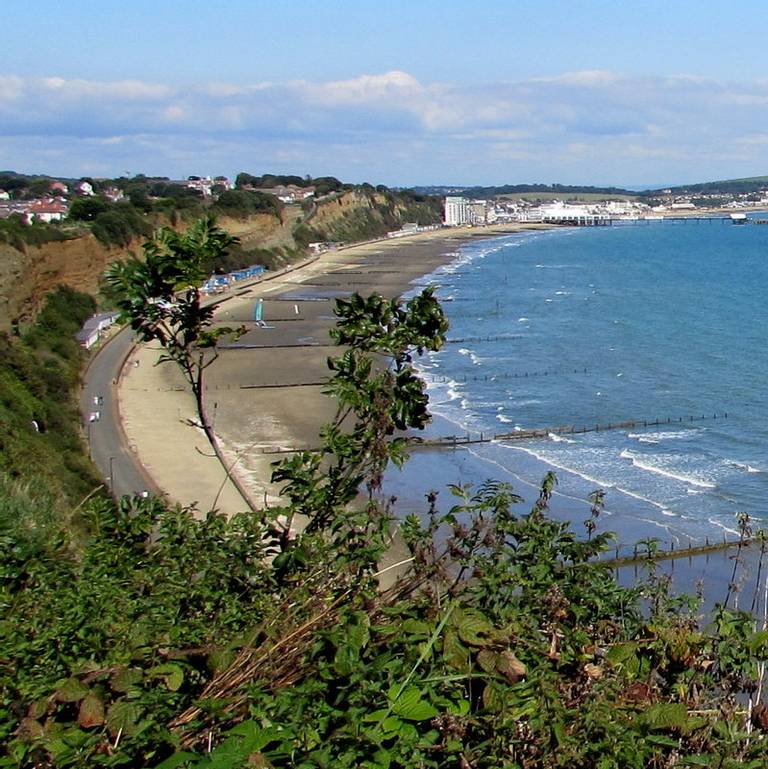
x=120, y=225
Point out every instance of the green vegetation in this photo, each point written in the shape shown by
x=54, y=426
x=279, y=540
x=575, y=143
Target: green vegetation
x=379, y=211
x=41, y=451
x=15, y=233
x=726, y=187
x=244, y=203
x=539, y=191
x=154, y=638
x=119, y=225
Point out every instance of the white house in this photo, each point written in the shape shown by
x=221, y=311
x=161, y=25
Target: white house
x=91, y=331
x=47, y=211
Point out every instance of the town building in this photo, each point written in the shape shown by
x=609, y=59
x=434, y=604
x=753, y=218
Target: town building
x=457, y=211
x=49, y=210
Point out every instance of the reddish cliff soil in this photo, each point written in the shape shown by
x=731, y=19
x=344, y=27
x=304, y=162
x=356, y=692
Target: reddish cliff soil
x=26, y=277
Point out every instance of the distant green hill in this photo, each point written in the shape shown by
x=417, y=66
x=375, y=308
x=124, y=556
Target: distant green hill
x=725, y=186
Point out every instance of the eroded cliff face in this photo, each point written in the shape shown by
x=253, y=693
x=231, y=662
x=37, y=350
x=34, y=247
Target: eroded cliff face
x=26, y=277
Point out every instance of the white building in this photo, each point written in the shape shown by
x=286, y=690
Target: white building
x=457, y=211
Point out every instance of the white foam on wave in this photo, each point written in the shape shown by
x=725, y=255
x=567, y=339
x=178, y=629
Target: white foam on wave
x=742, y=466
x=641, y=498
x=505, y=420
x=719, y=525
x=662, y=435
x=559, y=438
x=650, y=468
x=549, y=461
x=523, y=320
x=464, y=351
x=562, y=293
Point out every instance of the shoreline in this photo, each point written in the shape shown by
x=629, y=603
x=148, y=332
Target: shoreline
x=275, y=398
x=287, y=369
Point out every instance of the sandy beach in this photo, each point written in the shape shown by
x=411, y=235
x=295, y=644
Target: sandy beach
x=264, y=393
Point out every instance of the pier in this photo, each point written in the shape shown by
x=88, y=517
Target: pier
x=598, y=220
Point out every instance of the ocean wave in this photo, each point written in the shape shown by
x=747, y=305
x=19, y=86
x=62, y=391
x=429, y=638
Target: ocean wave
x=559, y=438
x=742, y=466
x=719, y=525
x=650, y=468
x=548, y=460
x=662, y=435
x=640, y=497
x=504, y=420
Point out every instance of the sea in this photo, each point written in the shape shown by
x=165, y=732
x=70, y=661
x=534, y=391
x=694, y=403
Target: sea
x=653, y=322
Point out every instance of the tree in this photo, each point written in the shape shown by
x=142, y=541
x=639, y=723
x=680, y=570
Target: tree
x=378, y=393
x=161, y=299
x=86, y=209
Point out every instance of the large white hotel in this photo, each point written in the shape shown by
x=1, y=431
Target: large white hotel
x=460, y=211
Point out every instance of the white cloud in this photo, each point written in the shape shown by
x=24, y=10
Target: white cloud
x=636, y=127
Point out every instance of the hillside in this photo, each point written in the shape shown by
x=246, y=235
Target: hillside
x=31, y=270
x=746, y=185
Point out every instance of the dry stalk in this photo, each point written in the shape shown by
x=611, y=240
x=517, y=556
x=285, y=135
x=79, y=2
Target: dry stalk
x=275, y=657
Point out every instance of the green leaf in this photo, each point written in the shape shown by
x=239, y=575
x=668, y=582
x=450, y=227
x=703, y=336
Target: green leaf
x=173, y=675
x=620, y=653
x=71, y=690
x=417, y=628
x=699, y=759
x=178, y=759
x=125, y=679
x=123, y=716
x=410, y=705
x=493, y=697
x=91, y=711
x=456, y=655
x=666, y=715
x=472, y=626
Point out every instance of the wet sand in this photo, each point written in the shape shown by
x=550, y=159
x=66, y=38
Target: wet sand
x=268, y=386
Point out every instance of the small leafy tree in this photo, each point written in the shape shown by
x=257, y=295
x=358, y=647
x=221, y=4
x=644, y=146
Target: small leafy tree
x=160, y=297
x=378, y=393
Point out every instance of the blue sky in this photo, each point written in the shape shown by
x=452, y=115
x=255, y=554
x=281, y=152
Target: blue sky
x=419, y=92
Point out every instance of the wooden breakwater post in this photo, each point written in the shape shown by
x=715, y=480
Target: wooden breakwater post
x=671, y=553
x=545, y=432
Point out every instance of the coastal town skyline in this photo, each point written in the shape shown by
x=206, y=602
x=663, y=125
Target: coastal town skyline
x=419, y=95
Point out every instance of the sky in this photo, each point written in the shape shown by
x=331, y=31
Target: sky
x=396, y=92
